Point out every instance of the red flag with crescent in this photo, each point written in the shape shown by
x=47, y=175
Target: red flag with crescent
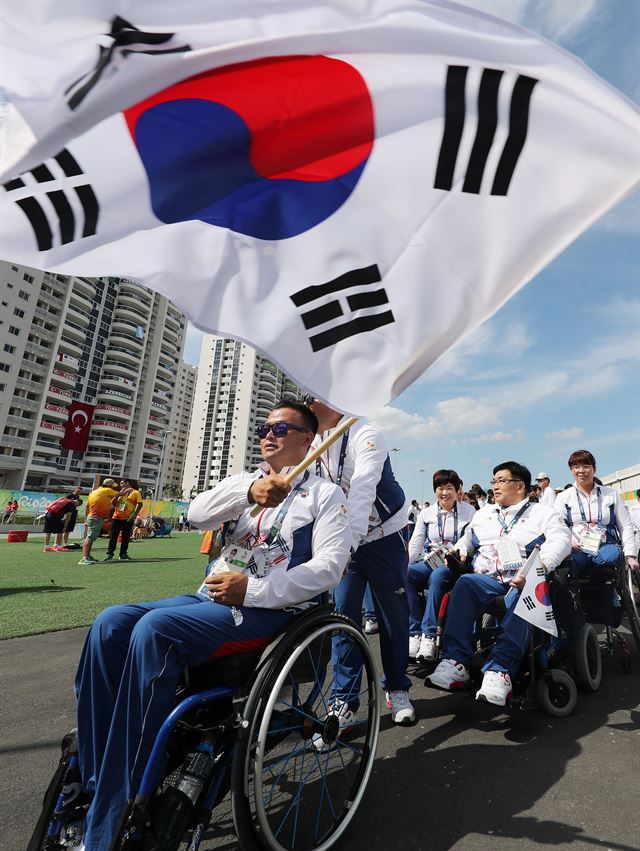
x=77, y=427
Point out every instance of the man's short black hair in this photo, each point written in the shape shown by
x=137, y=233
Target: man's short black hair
x=446, y=477
x=638, y=493
x=518, y=472
x=309, y=418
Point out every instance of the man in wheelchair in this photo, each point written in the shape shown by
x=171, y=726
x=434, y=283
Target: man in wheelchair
x=271, y=566
x=499, y=538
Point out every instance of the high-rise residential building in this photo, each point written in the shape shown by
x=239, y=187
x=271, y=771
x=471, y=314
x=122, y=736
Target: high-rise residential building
x=235, y=390
x=180, y=422
x=108, y=342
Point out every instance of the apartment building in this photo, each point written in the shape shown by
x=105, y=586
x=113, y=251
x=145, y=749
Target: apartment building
x=180, y=423
x=108, y=342
x=235, y=390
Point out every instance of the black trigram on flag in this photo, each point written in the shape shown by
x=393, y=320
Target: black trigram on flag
x=455, y=109
x=549, y=616
x=127, y=39
x=40, y=205
x=540, y=570
x=360, y=306
x=529, y=603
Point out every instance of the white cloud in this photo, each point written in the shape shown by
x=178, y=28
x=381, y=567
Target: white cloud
x=558, y=20
x=394, y=422
x=498, y=437
x=465, y=414
x=565, y=434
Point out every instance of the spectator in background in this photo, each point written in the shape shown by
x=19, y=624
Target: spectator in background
x=71, y=517
x=412, y=516
x=470, y=498
x=10, y=511
x=126, y=507
x=480, y=495
x=490, y=497
x=426, y=504
x=54, y=521
x=99, y=509
x=547, y=494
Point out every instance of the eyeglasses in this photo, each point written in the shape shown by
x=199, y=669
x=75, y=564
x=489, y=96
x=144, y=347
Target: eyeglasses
x=581, y=466
x=280, y=429
x=503, y=481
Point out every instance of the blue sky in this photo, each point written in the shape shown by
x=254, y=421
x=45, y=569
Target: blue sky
x=557, y=368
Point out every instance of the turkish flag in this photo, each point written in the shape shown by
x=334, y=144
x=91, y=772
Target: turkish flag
x=77, y=427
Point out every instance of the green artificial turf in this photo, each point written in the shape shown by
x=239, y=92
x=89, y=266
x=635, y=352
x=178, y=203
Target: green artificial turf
x=45, y=592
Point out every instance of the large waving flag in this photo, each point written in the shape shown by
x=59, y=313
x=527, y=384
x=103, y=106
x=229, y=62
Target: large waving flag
x=350, y=187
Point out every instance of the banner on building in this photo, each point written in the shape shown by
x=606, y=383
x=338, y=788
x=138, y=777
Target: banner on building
x=350, y=187
x=78, y=426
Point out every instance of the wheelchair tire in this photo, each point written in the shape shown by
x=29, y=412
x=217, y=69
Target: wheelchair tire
x=291, y=789
x=557, y=693
x=629, y=589
x=39, y=840
x=588, y=659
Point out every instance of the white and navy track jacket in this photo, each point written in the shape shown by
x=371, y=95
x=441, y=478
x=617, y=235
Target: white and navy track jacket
x=538, y=525
x=377, y=504
x=309, y=554
x=426, y=535
x=615, y=514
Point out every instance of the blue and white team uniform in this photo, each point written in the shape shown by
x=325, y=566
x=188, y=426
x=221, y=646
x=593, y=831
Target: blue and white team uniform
x=134, y=654
x=360, y=463
x=529, y=525
x=434, y=528
x=604, y=514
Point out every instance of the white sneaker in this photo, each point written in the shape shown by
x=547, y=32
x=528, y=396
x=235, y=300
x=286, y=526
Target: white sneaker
x=495, y=688
x=449, y=675
x=427, y=649
x=402, y=712
x=338, y=721
x=414, y=645
x=371, y=626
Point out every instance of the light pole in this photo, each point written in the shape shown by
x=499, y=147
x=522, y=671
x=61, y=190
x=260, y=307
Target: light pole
x=421, y=471
x=395, y=451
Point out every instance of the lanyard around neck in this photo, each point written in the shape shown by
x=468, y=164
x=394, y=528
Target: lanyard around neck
x=442, y=522
x=282, y=513
x=509, y=527
x=582, y=512
x=342, y=456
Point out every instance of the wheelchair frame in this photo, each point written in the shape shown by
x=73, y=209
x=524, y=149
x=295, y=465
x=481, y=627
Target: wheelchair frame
x=284, y=704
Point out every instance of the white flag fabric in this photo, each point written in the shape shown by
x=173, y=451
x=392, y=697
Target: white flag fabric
x=534, y=603
x=349, y=187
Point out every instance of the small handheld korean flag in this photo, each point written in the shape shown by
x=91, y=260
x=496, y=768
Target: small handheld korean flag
x=534, y=604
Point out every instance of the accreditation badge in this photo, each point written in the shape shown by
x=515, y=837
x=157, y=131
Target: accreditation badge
x=232, y=558
x=509, y=557
x=592, y=540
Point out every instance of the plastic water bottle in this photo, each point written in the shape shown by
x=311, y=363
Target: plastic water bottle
x=174, y=807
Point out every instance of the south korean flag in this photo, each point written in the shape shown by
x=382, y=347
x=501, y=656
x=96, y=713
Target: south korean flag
x=349, y=187
x=534, y=603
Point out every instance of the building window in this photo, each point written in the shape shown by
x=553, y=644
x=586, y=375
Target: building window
x=17, y=312
x=14, y=330
x=28, y=278
x=24, y=295
x=4, y=367
x=8, y=348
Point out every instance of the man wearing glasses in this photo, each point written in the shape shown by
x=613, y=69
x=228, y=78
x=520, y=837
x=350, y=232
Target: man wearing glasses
x=283, y=559
x=500, y=537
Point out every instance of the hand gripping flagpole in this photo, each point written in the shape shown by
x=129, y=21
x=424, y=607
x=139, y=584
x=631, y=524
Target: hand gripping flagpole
x=317, y=452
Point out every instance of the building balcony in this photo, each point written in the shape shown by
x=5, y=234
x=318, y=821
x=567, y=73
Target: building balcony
x=46, y=315
x=27, y=384
x=75, y=331
x=18, y=421
x=150, y=449
x=118, y=381
x=159, y=406
x=102, y=456
x=128, y=313
x=54, y=391
x=106, y=395
x=57, y=412
x=69, y=346
x=135, y=302
x=48, y=447
x=15, y=442
x=117, y=367
x=80, y=300
x=84, y=286
x=113, y=412
x=124, y=354
x=103, y=440
x=11, y=462
x=137, y=290
x=63, y=378
x=40, y=463
x=109, y=426
x=34, y=348
x=39, y=331
x=51, y=299
x=126, y=329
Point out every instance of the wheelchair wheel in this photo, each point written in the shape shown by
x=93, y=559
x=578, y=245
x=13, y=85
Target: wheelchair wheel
x=48, y=828
x=629, y=582
x=296, y=780
x=557, y=693
x=588, y=659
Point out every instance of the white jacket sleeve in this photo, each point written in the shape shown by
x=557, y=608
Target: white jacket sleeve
x=330, y=543
x=416, y=544
x=625, y=526
x=557, y=538
x=369, y=453
x=464, y=544
x=226, y=501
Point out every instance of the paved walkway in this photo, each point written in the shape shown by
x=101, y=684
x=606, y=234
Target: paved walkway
x=465, y=777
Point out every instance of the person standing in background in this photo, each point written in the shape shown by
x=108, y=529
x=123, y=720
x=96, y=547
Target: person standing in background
x=126, y=507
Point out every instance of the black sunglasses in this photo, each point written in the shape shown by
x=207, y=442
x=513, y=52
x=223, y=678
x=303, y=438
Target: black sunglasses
x=280, y=429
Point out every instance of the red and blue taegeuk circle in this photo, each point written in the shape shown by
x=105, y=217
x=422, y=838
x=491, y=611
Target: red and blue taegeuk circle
x=268, y=148
x=542, y=593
